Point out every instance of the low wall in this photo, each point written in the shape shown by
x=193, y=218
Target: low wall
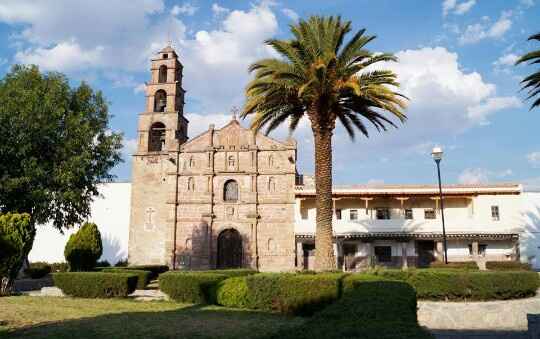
x=489, y=315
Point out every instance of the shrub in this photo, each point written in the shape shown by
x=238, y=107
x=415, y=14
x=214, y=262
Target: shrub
x=155, y=269
x=459, y=285
x=84, y=248
x=121, y=263
x=59, y=267
x=103, y=263
x=95, y=284
x=238, y=272
x=464, y=265
x=374, y=310
x=143, y=277
x=16, y=237
x=38, y=270
x=192, y=287
x=301, y=294
x=507, y=266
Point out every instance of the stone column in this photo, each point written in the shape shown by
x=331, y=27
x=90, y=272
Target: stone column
x=404, y=263
x=475, y=249
x=439, y=250
x=369, y=252
x=299, y=256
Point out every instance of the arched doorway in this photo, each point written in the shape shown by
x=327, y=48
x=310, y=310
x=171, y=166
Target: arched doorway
x=229, y=249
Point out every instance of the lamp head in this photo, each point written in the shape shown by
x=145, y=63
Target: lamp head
x=437, y=153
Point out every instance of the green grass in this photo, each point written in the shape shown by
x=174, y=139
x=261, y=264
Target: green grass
x=49, y=317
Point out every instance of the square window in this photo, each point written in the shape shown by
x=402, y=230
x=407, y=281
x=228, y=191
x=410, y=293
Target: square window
x=338, y=214
x=495, y=216
x=408, y=213
x=383, y=253
x=429, y=213
x=383, y=213
x=353, y=214
x=165, y=56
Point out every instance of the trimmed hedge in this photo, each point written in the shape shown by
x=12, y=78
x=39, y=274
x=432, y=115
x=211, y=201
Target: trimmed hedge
x=458, y=285
x=191, y=287
x=300, y=294
x=237, y=272
x=507, y=266
x=143, y=277
x=374, y=310
x=155, y=269
x=95, y=284
x=38, y=270
x=463, y=265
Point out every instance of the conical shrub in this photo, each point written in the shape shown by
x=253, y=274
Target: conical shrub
x=84, y=248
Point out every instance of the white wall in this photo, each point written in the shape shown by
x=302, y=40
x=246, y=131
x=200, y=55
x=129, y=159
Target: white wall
x=110, y=212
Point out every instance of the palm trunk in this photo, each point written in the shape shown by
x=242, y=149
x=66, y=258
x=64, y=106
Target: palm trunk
x=324, y=249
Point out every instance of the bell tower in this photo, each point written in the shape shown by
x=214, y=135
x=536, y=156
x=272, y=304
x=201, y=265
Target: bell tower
x=162, y=128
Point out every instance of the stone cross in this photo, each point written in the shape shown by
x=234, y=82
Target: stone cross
x=149, y=214
x=234, y=110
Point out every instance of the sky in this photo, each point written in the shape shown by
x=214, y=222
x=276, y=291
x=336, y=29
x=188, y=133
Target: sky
x=456, y=64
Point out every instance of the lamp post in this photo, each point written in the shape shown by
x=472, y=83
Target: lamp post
x=437, y=154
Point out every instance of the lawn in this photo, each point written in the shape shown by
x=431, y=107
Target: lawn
x=49, y=317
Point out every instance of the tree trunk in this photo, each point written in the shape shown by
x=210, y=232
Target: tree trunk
x=324, y=248
x=6, y=286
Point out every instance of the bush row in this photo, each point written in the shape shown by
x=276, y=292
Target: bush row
x=286, y=293
x=96, y=284
x=196, y=286
x=143, y=277
x=373, y=310
x=37, y=270
x=507, y=266
x=458, y=285
x=191, y=287
x=464, y=265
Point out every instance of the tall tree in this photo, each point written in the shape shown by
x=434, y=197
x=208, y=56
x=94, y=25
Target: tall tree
x=532, y=82
x=325, y=79
x=55, y=147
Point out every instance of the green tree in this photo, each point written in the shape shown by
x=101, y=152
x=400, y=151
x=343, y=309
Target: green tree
x=84, y=248
x=325, y=79
x=55, y=147
x=532, y=82
x=16, y=235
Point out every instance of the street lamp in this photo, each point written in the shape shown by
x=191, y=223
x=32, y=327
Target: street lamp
x=437, y=154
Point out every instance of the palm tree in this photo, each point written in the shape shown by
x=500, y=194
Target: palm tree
x=532, y=82
x=326, y=80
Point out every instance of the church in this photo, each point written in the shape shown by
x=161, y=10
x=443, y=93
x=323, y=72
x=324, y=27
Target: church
x=231, y=198
x=222, y=199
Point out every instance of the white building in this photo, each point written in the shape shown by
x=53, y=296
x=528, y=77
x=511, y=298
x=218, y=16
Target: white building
x=382, y=224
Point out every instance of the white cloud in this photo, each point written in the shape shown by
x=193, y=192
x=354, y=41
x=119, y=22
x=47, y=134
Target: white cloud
x=140, y=88
x=484, y=30
x=473, y=176
x=63, y=35
x=479, y=113
x=129, y=147
x=186, y=8
x=506, y=60
x=534, y=159
x=290, y=14
x=464, y=7
x=65, y=56
x=482, y=175
x=198, y=123
x=452, y=6
x=448, y=5
x=218, y=10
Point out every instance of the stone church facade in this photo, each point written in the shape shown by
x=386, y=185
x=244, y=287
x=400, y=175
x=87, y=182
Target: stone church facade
x=222, y=199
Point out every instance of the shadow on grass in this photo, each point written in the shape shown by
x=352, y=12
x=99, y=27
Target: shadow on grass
x=189, y=322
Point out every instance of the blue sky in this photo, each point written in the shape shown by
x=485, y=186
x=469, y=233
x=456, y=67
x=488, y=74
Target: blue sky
x=456, y=65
